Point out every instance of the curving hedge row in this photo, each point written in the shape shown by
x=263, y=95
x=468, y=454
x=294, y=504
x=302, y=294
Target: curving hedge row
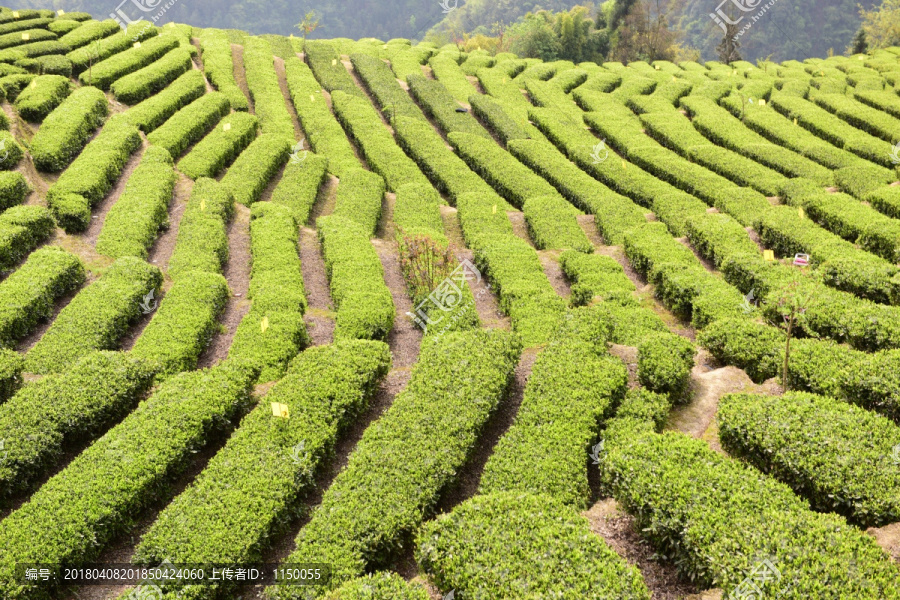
x=552, y=226
x=25, y=22
x=98, y=390
x=816, y=555
x=496, y=119
x=220, y=147
x=365, y=308
x=11, y=365
x=837, y=455
x=202, y=242
x=33, y=50
x=149, y=80
x=156, y=110
x=330, y=72
x=573, y=387
x=27, y=296
x=664, y=365
x=375, y=142
x=10, y=153
x=125, y=471
x=66, y=130
x=438, y=104
x=43, y=94
x=391, y=99
x=90, y=176
x=22, y=228
x=325, y=135
x=593, y=276
x=407, y=61
x=218, y=64
x=96, y=318
x=262, y=81
x=527, y=546
x=11, y=85
x=104, y=73
x=326, y=388
x=89, y=32
x=860, y=115
x=184, y=324
x=299, y=185
x=445, y=169
x=133, y=223
x=389, y=485
x=359, y=198
x=446, y=69
x=256, y=166
x=10, y=40
x=190, y=123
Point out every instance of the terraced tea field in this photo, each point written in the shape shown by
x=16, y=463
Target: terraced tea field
x=444, y=325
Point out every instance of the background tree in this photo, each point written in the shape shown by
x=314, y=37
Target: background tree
x=309, y=24
x=880, y=26
x=727, y=50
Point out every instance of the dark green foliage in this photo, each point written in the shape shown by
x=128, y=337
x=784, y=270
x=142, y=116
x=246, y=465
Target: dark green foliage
x=22, y=228
x=67, y=129
x=256, y=166
x=202, y=242
x=190, y=123
x=220, y=147
x=665, y=361
x=146, y=82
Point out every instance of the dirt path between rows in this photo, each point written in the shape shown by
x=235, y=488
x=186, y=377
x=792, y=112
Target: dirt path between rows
x=285, y=91
x=101, y=209
x=240, y=76
x=162, y=249
x=319, y=315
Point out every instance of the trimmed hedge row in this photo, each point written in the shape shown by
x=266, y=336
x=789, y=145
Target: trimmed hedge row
x=376, y=143
x=573, y=387
x=190, y=123
x=28, y=295
x=43, y=94
x=12, y=153
x=90, y=176
x=496, y=119
x=552, y=226
x=681, y=492
x=447, y=171
x=299, y=186
x=22, y=228
x=860, y=180
x=124, y=472
x=391, y=99
x=595, y=275
x=885, y=200
x=417, y=212
x=359, y=198
x=256, y=166
x=133, y=222
x=220, y=147
x=88, y=56
x=96, y=318
x=835, y=454
x=871, y=120
x=365, y=308
x=107, y=71
x=528, y=546
x=185, y=323
x=613, y=213
x=27, y=22
x=89, y=32
x=325, y=135
x=269, y=340
x=218, y=64
x=146, y=82
x=33, y=50
x=11, y=365
x=379, y=586
x=18, y=38
x=98, y=390
x=717, y=124
x=389, y=486
x=156, y=110
x=407, y=61
x=12, y=85
x=446, y=69
x=66, y=130
x=664, y=365
x=330, y=72
x=202, y=242
x=214, y=521
x=262, y=81
x=438, y=104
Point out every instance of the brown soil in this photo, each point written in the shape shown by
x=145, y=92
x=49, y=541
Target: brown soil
x=325, y=200
x=550, y=263
x=385, y=229
x=282, y=83
x=888, y=537
x=38, y=332
x=237, y=273
x=102, y=208
x=405, y=337
x=319, y=316
x=619, y=531
x=589, y=227
x=629, y=356
x=487, y=305
x=240, y=76
x=451, y=227
x=707, y=264
x=520, y=227
x=754, y=236
x=198, y=64
x=162, y=248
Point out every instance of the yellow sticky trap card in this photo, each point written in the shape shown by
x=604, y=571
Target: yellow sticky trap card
x=312, y=97
x=801, y=212
x=264, y=324
x=34, y=83
x=226, y=127
x=60, y=12
x=768, y=255
x=26, y=36
x=333, y=62
x=137, y=44
x=281, y=410
x=15, y=14
x=624, y=165
x=494, y=209
x=762, y=102
x=202, y=204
